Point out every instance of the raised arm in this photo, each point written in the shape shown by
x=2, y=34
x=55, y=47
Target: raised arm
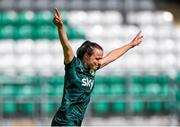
x=116, y=53
x=67, y=49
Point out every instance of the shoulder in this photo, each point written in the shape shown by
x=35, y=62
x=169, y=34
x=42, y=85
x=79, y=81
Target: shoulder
x=75, y=62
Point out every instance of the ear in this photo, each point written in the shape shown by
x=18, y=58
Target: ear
x=86, y=56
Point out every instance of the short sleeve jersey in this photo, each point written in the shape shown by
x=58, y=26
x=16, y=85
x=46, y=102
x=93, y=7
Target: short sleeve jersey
x=78, y=85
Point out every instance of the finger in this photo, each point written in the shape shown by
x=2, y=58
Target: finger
x=57, y=12
x=55, y=15
x=138, y=33
x=140, y=37
x=57, y=20
x=140, y=41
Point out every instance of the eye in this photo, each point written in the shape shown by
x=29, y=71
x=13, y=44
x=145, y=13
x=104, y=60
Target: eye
x=98, y=58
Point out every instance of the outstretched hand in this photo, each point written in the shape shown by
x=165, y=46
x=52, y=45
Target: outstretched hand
x=57, y=18
x=137, y=39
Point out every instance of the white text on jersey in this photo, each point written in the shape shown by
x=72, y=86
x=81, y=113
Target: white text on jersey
x=87, y=82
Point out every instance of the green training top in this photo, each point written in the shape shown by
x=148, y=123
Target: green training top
x=78, y=85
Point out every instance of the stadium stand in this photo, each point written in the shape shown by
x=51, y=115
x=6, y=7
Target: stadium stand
x=144, y=82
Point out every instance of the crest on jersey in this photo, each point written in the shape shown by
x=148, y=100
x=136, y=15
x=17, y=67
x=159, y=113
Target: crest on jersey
x=92, y=72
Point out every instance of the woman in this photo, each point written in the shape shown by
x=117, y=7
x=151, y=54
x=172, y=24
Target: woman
x=80, y=73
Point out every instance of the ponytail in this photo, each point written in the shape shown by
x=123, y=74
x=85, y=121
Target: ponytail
x=87, y=47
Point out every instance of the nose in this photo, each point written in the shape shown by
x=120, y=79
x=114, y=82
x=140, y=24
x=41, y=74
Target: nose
x=99, y=62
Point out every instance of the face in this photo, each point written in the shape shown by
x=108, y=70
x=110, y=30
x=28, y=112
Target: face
x=94, y=61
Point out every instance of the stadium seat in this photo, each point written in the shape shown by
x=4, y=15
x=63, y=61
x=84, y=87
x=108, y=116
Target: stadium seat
x=149, y=31
x=57, y=82
x=75, y=33
x=178, y=95
x=168, y=63
x=101, y=107
x=24, y=65
x=25, y=17
x=154, y=107
x=137, y=89
x=166, y=45
x=9, y=108
x=115, y=79
x=177, y=106
x=43, y=18
x=119, y=107
x=95, y=17
x=7, y=65
x=8, y=90
x=163, y=18
x=41, y=47
x=178, y=64
x=27, y=108
x=77, y=18
x=156, y=85
x=43, y=64
x=129, y=31
x=24, y=91
x=45, y=31
x=177, y=103
x=170, y=106
x=54, y=48
x=116, y=84
x=136, y=85
x=150, y=46
x=7, y=32
x=37, y=90
x=115, y=17
x=117, y=90
x=134, y=58
x=24, y=46
x=24, y=32
x=52, y=90
x=145, y=21
x=163, y=79
x=153, y=89
x=95, y=32
x=113, y=32
x=137, y=106
x=58, y=66
x=100, y=88
x=48, y=107
x=166, y=85
x=177, y=79
x=150, y=79
x=7, y=46
x=9, y=17
x=164, y=32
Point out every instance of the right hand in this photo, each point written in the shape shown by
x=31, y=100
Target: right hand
x=137, y=39
x=57, y=18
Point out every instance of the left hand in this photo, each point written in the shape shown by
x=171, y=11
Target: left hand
x=137, y=39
